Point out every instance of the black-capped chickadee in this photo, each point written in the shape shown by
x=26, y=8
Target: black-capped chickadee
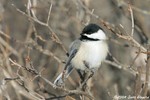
x=85, y=53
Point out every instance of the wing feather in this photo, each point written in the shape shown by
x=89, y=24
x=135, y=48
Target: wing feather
x=74, y=47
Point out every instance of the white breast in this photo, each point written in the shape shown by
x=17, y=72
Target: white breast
x=92, y=52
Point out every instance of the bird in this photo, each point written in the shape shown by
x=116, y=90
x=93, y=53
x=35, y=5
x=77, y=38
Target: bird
x=86, y=53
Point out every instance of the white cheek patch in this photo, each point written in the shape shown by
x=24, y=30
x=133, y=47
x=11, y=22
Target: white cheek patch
x=98, y=35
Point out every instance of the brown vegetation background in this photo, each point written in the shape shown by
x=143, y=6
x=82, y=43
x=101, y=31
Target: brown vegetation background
x=35, y=36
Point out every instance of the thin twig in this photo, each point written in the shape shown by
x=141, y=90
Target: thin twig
x=123, y=3
x=112, y=29
x=53, y=35
x=113, y=58
x=31, y=11
x=132, y=63
x=4, y=34
x=9, y=47
x=66, y=90
x=147, y=75
x=123, y=67
x=46, y=52
x=33, y=71
x=132, y=19
x=50, y=9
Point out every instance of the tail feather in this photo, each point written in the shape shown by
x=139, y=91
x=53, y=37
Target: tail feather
x=59, y=81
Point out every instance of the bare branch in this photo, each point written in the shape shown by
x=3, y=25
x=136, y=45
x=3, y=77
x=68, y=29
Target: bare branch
x=33, y=71
x=132, y=19
x=11, y=49
x=50, y=9
x=147, y=75
x=54, y=36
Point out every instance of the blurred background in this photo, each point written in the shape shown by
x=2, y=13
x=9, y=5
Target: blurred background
x=36, y=34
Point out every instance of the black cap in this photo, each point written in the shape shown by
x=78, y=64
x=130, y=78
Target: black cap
x=91, y=28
